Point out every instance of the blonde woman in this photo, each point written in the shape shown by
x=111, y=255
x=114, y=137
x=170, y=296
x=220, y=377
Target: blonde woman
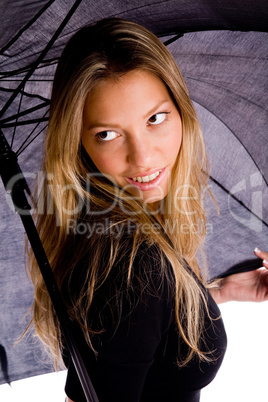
x=124, y=220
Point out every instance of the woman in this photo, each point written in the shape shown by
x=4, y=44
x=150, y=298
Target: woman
x=124, y=220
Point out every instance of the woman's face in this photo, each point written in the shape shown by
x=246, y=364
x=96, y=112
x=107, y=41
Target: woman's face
x=132, y=132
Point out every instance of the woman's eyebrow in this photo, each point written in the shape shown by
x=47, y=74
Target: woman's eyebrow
x=99, y=124
x=157, y=106
x=102, y=125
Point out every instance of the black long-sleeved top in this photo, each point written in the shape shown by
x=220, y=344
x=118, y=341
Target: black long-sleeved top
x=137, y=361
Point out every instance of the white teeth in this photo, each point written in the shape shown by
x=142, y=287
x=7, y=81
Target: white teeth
x=146, y=179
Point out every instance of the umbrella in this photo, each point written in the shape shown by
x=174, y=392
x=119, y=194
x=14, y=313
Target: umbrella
x=221, y=49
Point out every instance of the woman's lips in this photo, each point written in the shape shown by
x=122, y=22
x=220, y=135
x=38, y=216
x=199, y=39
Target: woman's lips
x=150, y=185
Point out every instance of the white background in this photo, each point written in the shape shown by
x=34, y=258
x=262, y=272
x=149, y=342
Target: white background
x=242, y=377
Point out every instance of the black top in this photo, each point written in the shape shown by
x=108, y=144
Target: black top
x=137, y=360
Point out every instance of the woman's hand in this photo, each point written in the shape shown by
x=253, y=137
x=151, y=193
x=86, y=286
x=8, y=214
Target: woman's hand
x=246, y=286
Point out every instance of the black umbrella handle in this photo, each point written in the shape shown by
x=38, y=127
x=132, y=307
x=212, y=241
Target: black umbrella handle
x=15, y=185
x=59, y=306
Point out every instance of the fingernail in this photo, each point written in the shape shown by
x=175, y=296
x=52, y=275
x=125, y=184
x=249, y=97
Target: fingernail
x=257, y=250
x=265, y=262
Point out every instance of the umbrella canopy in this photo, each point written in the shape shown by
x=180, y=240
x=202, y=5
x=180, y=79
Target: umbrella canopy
x=221, y=49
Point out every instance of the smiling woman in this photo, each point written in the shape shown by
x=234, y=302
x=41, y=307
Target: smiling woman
x=125, y=158
x=134, y=143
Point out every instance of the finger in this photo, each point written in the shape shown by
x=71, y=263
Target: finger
x=261, y=254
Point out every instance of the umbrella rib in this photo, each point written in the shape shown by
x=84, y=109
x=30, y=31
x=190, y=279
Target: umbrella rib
x=21, y=148
x=41, y=56
x=237, y=199
x=25, y=112
x=10, y=73
x=30, y=80
x=238, y=139
x=139, y=7
x=14, y=131
x=35, y=18
x=25, y=123
x=171, y=40
x=24, y=93
x=226, y=89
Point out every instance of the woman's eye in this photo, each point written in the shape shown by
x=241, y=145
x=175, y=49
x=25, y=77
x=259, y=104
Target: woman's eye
x=157, y=118
x=107, y=135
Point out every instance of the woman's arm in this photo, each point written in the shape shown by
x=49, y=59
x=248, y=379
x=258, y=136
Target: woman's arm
x=245, y=286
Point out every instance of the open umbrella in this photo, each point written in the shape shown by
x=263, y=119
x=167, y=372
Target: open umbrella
x=221, y=49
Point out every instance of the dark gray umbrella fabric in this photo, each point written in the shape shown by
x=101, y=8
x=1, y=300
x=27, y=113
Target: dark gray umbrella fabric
x=222, y=51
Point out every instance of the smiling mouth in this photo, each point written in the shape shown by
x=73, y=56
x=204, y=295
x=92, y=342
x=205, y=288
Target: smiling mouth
x=146, y=179
x=149, y=182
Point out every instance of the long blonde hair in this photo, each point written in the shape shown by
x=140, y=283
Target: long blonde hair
x=111, y=48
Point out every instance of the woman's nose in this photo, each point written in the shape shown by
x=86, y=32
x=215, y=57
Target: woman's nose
x=140, y=151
